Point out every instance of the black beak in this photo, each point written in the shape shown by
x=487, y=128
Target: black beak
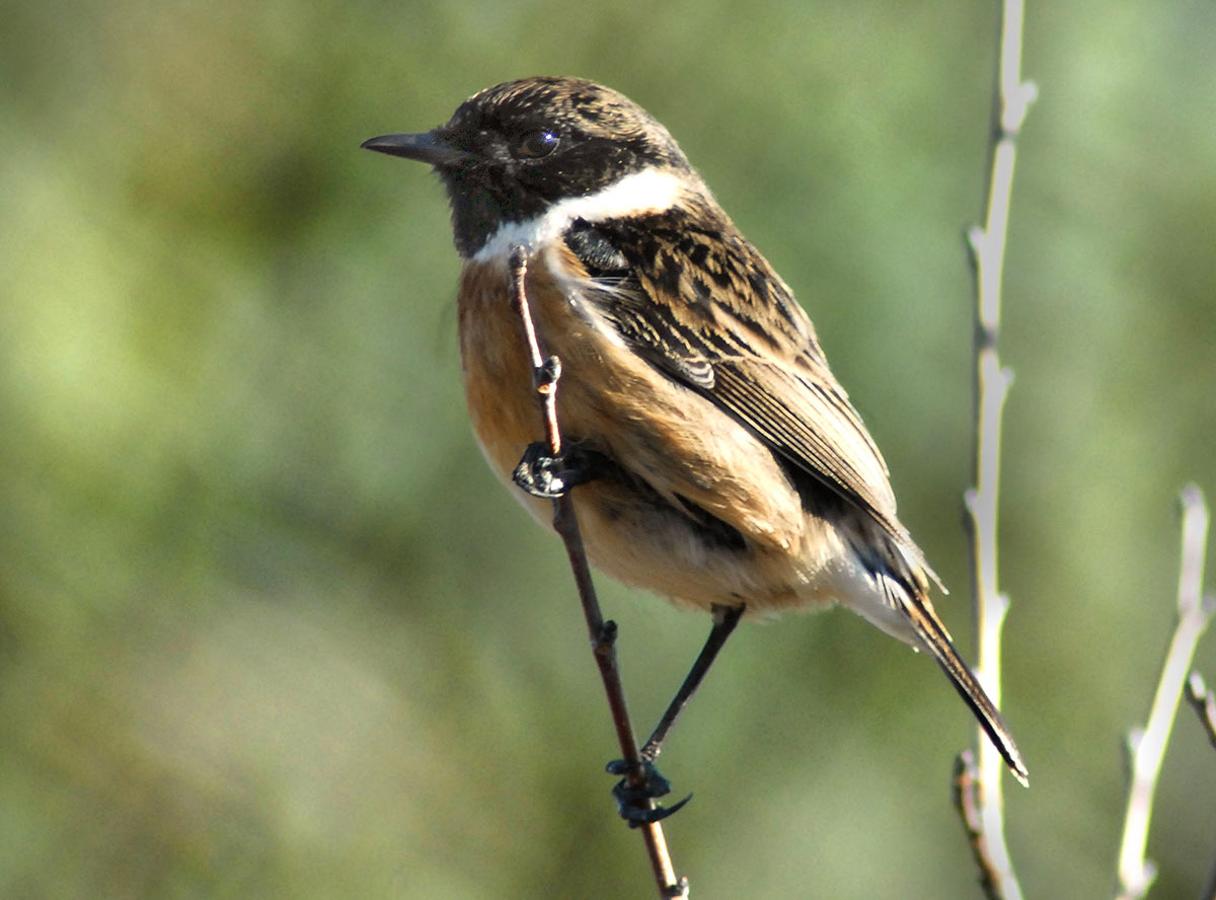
x=427, y=147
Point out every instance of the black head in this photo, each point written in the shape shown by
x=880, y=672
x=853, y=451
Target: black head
x=513, y=150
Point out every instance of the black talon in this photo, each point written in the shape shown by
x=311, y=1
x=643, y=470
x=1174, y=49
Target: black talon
x=546, y=476
x=653, y=786
x=539, y=474
x=633, y=803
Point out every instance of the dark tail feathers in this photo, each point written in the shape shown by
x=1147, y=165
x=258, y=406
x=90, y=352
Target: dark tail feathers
x=933, y=636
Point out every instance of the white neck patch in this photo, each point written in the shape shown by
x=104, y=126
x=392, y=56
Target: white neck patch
x=649, y=191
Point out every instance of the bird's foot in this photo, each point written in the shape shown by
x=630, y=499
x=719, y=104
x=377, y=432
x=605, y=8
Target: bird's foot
x=544, y=475
x=634, y=801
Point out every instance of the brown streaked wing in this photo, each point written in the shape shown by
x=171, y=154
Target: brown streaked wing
x=702, y=305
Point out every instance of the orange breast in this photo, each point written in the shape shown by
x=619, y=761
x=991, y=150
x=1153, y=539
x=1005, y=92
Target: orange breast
x=666, y=435
x=497, y=371
x=497, y=368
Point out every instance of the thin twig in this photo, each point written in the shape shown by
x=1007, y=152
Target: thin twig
x=967, y=801
x=1146, y=746
x=546, y=372
x=1012, y=100
x=1203, y=701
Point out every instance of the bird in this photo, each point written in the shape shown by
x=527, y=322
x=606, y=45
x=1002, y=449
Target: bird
x=711, y=456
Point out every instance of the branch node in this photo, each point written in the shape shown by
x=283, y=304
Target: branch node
x=549, y=373
x=986, y=336
x=977, y=243
x=679, y=891
x=1132, y=741
x=605, y=640
x=1015, y=108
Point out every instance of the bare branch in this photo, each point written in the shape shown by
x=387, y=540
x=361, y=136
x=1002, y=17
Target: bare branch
x=1204, y=703
x=983, y=813
x=967, y=801
x=1147, y=745
x=546, y=372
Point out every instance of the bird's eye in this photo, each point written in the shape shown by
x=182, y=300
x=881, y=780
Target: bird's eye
x=535, y=144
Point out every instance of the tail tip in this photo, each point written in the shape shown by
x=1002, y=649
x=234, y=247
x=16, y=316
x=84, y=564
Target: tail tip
x=1017, y=767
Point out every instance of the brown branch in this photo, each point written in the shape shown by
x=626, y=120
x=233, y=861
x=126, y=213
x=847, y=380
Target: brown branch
x=1147, y=745
x=546, y=372
x=983, y=813
x=1203, y=702
x=969, y=805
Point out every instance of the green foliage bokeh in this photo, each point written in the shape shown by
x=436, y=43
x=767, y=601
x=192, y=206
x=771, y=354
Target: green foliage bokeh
x=268, y=627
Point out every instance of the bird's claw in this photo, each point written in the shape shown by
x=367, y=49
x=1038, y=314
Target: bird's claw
x=544, y=475
x=634, y=802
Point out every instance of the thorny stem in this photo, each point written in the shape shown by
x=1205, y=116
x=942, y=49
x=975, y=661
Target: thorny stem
x=1146, y=746
x=983, y=790
x=546, y=372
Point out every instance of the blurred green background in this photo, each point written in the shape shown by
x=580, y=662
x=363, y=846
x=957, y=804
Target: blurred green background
x=268, y=627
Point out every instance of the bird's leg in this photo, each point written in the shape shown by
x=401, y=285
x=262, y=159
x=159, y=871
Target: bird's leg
x=544, y=475
x=725, y=620
x=633, y=802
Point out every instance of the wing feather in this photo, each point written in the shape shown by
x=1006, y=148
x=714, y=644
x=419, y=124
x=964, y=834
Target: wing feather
x=703, y=306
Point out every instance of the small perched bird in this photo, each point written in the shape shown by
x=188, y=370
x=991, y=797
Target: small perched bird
x=719, y=462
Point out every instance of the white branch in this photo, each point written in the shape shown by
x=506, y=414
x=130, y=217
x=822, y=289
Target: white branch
x=1147, y=745
x=992, y=381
